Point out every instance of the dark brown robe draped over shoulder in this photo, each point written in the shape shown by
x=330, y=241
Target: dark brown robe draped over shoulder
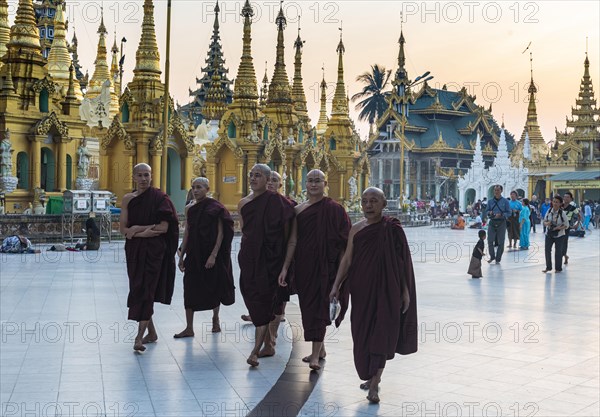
x=205, y=289
x=150, y=261
x=323, y=230
x=262, y=253
x=381, y=264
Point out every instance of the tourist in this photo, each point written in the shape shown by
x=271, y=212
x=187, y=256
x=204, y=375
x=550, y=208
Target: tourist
x=546, y=205
x=17, y=244
x=556, y=222
x=92, y=241
x=478, y=252
x=535, y=212
x=514, y=230
x=524, y=220
x=322, y=228
x=574, y=215
x=587, y=215
x=266, y=225
x=597, y=215
x=498, y=211
x=206, y=258
x=381, y=283
x=149, y=223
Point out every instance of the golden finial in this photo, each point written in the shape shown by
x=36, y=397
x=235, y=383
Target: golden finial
x=298, y=96
x=147, y=57
x=24, y=34
x=4, y=28
x=279, y=90
x=245, y=83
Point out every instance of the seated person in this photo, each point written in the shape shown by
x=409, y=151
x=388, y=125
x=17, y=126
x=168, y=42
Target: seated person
x=92, y=241
x=17, y=244
x=478, y=223
x=459, y=224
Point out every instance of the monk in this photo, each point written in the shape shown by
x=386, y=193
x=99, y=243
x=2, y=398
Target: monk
x=149, y=223
x=322, y=227
x=275, y=184
x=266, y=221
x=206, y=258
x=381, y=282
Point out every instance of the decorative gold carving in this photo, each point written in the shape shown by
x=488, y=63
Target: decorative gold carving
x=44, y=83
x=43, y=126
x=116, y=130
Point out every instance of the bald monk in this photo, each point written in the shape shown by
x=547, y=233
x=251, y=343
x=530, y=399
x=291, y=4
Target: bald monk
x=264, y=254
x=206, y=257
x=275, y=184
x=322, y=227
x=381, y=282
x=149, y=223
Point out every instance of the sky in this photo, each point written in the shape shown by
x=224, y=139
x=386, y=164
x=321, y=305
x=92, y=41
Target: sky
x=476, y=44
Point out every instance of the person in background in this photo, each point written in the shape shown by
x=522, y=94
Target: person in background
x=524, y=219
x=478, y=252
x=556, y=223
x=546, y=205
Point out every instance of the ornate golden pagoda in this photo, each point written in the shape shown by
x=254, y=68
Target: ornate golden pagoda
x=215, y=101
x=298, y=96
x=114, y=66
x=59, y=60
x=323, y=119
x=136, y=133
x=582, y=143
x=342, y=143
x=264, y=90
x=41, y=120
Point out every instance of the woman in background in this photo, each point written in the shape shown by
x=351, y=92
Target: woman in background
x=525, y=222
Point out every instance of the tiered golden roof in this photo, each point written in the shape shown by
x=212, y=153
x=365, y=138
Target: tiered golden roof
x=24, y=34
x=215, y=102
x=101, y=71
x=245, y=90
x=114, y=66
x=4, y=29
x=323, y=119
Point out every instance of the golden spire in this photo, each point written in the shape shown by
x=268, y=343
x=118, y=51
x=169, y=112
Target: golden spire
x=298, y=89
x=147, y=58
x=531, y=126
x=279, y=90
x=24, y=34
x=339, y=110
x=401, y=73
x=59, y=59
x=245, y=83
x=4, y=28
x=101, y=72
x=114, y=66
x=8, y=88
x=323, y=120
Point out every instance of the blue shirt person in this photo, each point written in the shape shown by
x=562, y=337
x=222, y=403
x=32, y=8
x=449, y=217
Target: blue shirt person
x=498, y=211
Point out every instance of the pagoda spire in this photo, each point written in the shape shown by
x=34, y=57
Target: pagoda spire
x=401, y=72
x=264, y=91
x=323, y=120
x=147, y=57
x=82, y=79
x=24, y=34
x=114, y=66
x=4, y=28
x=101, y=72
x=478, y=156
x=215, y=102
x=279, y=90
x=339, y=110
x=245, y=84
x=59, y=60
x=532, y=128
x=298, y=96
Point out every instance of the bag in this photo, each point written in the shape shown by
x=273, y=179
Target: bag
x=553, y=233
x=334, y=309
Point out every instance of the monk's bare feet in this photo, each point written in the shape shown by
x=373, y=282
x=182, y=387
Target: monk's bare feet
x=246, y=317
x=150, y=338
x=266, y=352
x=138, y=345
x=252, y=361
x=185, y=333
x=216, y=328
x=322, y=355
x=373, y=397
x=314, y=366
x=365, y=385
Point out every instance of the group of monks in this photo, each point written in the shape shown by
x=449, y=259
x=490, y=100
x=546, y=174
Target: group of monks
x=309, y=249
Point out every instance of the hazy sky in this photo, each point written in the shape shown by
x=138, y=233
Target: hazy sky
x=478, y=44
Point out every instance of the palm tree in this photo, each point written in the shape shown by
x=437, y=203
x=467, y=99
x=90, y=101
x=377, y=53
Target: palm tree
x=373, y=96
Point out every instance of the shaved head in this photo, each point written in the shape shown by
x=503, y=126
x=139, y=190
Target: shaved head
x=201, y=180
x=264, y=168
x=141, y=166
x=374, y=190
x=276, y=175
x=316, y=172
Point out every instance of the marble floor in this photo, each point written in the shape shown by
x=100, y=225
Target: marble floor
x=515, y=343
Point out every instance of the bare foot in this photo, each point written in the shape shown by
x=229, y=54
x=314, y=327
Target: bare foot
x=314, y=366
x=216, y=326
x=246, y=317
x=373, y=398
x=252, y=361
x=322, y=355
x=365, y=385
x=138, y=345
x=150, y=338
x=266, y=352
x=185, y=333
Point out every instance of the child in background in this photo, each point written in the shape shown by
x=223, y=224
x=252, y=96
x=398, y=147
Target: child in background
x=475, y=264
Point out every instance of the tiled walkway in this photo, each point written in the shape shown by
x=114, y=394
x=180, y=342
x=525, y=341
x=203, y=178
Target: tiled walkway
x=515, y=343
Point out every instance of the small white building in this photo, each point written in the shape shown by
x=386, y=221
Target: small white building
x=479, y=181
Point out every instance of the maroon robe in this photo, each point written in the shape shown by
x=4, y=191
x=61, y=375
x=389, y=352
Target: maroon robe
x=150, y=261
x=381, y=264
x=205, y=289
x=323, y=230
x=262, y=254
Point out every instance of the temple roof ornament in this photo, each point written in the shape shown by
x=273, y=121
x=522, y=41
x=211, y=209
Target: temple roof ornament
x=4, y=29
x=24, y=34
x=245, y=88
x=298, y=96
x=323, y=119
x=83, y=79
x=264, y=91
x=147, y=57
x=114, y=66
x=101, y=71
x=280, y=92
x=339, y=110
